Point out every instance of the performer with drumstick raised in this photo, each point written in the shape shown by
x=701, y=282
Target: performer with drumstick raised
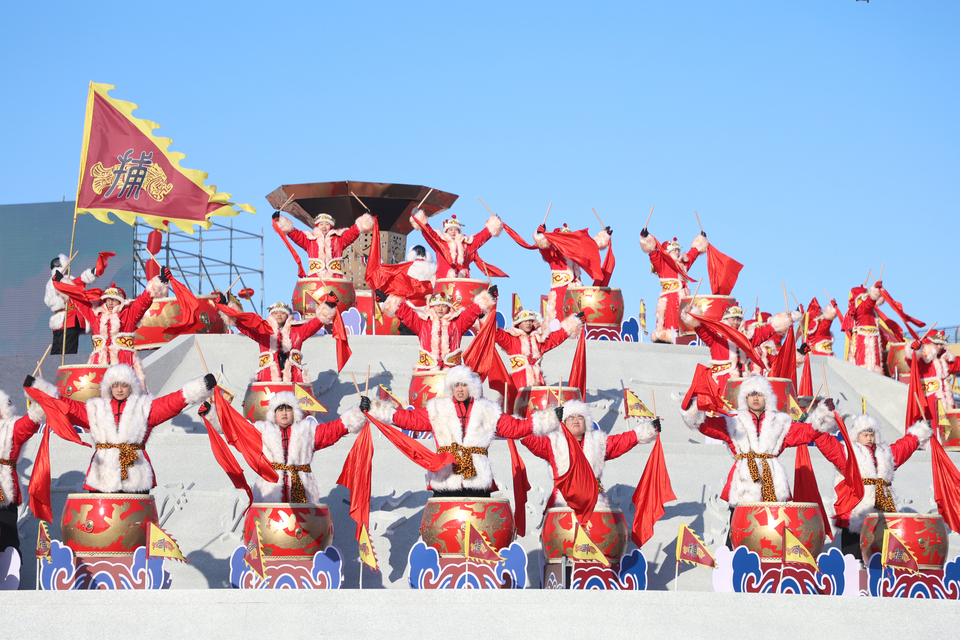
x=455, y=250
x=528, y=340
x=861, y=324
x=935, y=365
x=324, y=245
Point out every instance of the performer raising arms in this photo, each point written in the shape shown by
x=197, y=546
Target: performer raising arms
x=861, y=324
x=528, y=341
x=64, y=312
x=325, y=245
x=936, y=364
x=597, y=446
x=455, y=251
x=440, y=327
x=564, y=271
x=464, y=423
x=279, y=337
x=671, y=267
x=818, y=335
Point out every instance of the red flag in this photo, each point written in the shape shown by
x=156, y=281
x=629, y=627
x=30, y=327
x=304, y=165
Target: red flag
x=805, y=390
x=39, y=488
x=482, y=357
x=579, y=247
x=520, y=488
x=226, y=460
x=355, y=476
x=392, y=278
x=188, y=308
x=609, y=262
x=690, y=549
x=733, y=336
x=668, y=259
x=722, y=270
x=578, y=485
x=907, y=320
x=488, y=269
x=251, y=320
x=652, y=492
x=476, y=547
x=77, y=292
x=896, y=554
x=578, y=370
x=102, y=261
x=805, y=487
x=518, y=238
x=243, y=437
x=343, y=345
x=917, y=408
x=850, y=489
x=429, y=460
x=946, y=485
x=785, y=362
x=56, y=412
x=705, y=388
x=895, y=333
x=296, y=256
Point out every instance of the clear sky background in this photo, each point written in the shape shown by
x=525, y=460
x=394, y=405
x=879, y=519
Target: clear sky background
x=816, y=139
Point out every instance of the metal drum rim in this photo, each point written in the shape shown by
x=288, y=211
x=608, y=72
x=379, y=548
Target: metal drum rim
x=776, y=504
x=490, y=500
x=112, y=496
x=280, y=505
x=901, y=514
x=596, y=510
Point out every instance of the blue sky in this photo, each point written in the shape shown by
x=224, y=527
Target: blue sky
x=816, y=139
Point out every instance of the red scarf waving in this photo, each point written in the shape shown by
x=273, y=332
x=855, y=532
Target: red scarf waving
x=518, y=238
x=243, y=437
x=733, y=336
x=392, y=278
x=946, y=485
x=578, y=370
x=578, y=485
x=705, y=388
x=722, y=270
x=355, y=476
x=296, y=256
x=188, y=308
x=579, y=247
x=343, y=345
x=226, y=460
x=416, y=452
x=666, y=257
x=609, y=263
x=520, y=488
x=850, y=489
x=805, y=487
x=652, y=492
x=482, y=358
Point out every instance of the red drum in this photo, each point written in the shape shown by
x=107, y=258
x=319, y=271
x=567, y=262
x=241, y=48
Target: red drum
x=386, y=327
x=607, y=529
x=424, y=386
x=444, y=520
x=80, y=382
x=603, y=305
x=461, y=290
x=257, y=399
x=532, y=399
x=782, y=387
x=897, y=358
x=165, y=312
x=288, y=530
x=755, y=525
x=924, y=534
x=950, y=436
x=107, y=524
x=710, y=307
x=307, y=288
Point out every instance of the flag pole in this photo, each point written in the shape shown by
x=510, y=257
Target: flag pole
x=73, y=233
x=676, y=576
x=361, y=572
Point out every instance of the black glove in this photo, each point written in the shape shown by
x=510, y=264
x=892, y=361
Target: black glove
x=57, y=276
x=941, y=352
x=493, y=290
x=221, y=298
x=703, y=233
x=644, y=233
x=381, y=296
x=165, y=275
x=878, y=285
x=210, y=381
x=656, y=424
x=800, y=308
x=609, y=231
x=276, y=215
x=28, y=382
x=828, y=403
x=332, y=305
x=804, y=348
x=582, y=315
x=364, y=404
x=834, y=303
x=204, y=409
x=542, y=228
x=559, y=412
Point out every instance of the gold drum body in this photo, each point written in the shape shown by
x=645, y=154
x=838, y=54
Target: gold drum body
x=756, y=525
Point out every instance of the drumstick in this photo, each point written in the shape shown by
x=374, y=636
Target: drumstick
x=425, y=198
x=698, y=221
x=785, y=303
x=42, y=359
x=882, y=265
x=63, y=269
x=360, y=201
x=828, y=295
x=598, y=217
x=653, y=399
x=485, y=205
x=484, y=271
x=694, y=299
x=355, y=385
x=197, y=345
x=367, y=387
x=823, y=370
x=547, y=214
x=231, y=285
x=928, y=331
x=868, y=277
x=795, y=298
x=648, y=217
x=285, y=203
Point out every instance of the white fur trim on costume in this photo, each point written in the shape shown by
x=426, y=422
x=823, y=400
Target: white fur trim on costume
x=922, y=431
x=104, y=472
x=119, y=373
x=700, y=243
x=299, y=452
x=874, y=293
x=365, y=223
x=353, y=419
x=545, y=422
x=494, y=225
x=648, y=244
x=195, y=391
x=541, y=241
x=88, y=276
x=744, y=438
x=480, y=431
x=645, y=431
x=688, y=319
x=157, y=289
x=602, y=239
x=822, y=420
x=830, y=312
x=781, y=322
x=757, y=384
x=36, y=411
x=382, y=410
x=692, y=417
x=285, y=224
x=280, y=399
x=485, y=301
x=422, y=269
x=390, y=305
x=571, y=325
x=325, y=313
x=860, y=422
x=6, y=406
x=577, y=408
x=462, y=374
x=419, y=218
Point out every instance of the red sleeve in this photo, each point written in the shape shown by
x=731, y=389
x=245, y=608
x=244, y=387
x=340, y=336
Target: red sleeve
x=867, y=306
x=762, y=334
x=539, y=446
x=409, y=317
x=308, y=328
x=165, y=407
x=692, y=256
x=708, y=337
x=801, y=434
x=301, y=240
x=23, y=430
x=479, y=238
x=84, y=308
x=832, y=450
x=514, y=428
x=619, y=444
x=954, y=367
x=328, y=433
x=505, y=340
x=136, y=311
x=433, y=239
x=716, y=428
x=555, y=339
x=903, y=448
x=77, y=413
x=249, y=325
x=348, y=237
x=467, y=317
x=657, y=261
x=412, y=419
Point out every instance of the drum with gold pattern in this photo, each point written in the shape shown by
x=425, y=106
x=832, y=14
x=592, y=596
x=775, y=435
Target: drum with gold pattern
x=607, y=530
x=461, y=290
x=897, y=358
x=106, y=524
x=950, y=435
x=532, y=399
x=603, y=305
x=444, y=521
x=258, y=395
x=424, y=386
x=386, y=326
x=305, y=302
x=710, y=307
x=756, y=526
x=80, y=382
x=924, y=534
x=289, y=530
x=782, y=387
x=164, y=313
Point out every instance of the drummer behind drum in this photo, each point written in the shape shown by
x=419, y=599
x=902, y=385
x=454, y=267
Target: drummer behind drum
x=877, y=461
x=597, y=446
x=455, y=251
x=325, y=245
x=464, y=423
x=757, y=436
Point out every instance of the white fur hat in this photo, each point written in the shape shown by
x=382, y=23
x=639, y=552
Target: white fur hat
x=284, y=398
x=119, y=373
x=756, y=384
x=858, y=423
x=462, y=374
x=324, y=217
x=6, y=406
x=413, y=254
x=577, y=408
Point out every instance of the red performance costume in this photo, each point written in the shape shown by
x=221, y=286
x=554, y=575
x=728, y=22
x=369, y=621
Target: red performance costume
x=525, y=349
x=440, y=327
x=63, y=310
x=860, y=324
x=935, y=364
x=325, y=248
x=279, y=337
x=564, y=271
x=466, y=430
x=757, y=442
x=598, y=447
x=673, y=283
x=455, y=251
x=818, y=335
x=120, y=429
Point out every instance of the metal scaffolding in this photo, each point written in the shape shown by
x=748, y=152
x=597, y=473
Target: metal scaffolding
x=196, y=261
